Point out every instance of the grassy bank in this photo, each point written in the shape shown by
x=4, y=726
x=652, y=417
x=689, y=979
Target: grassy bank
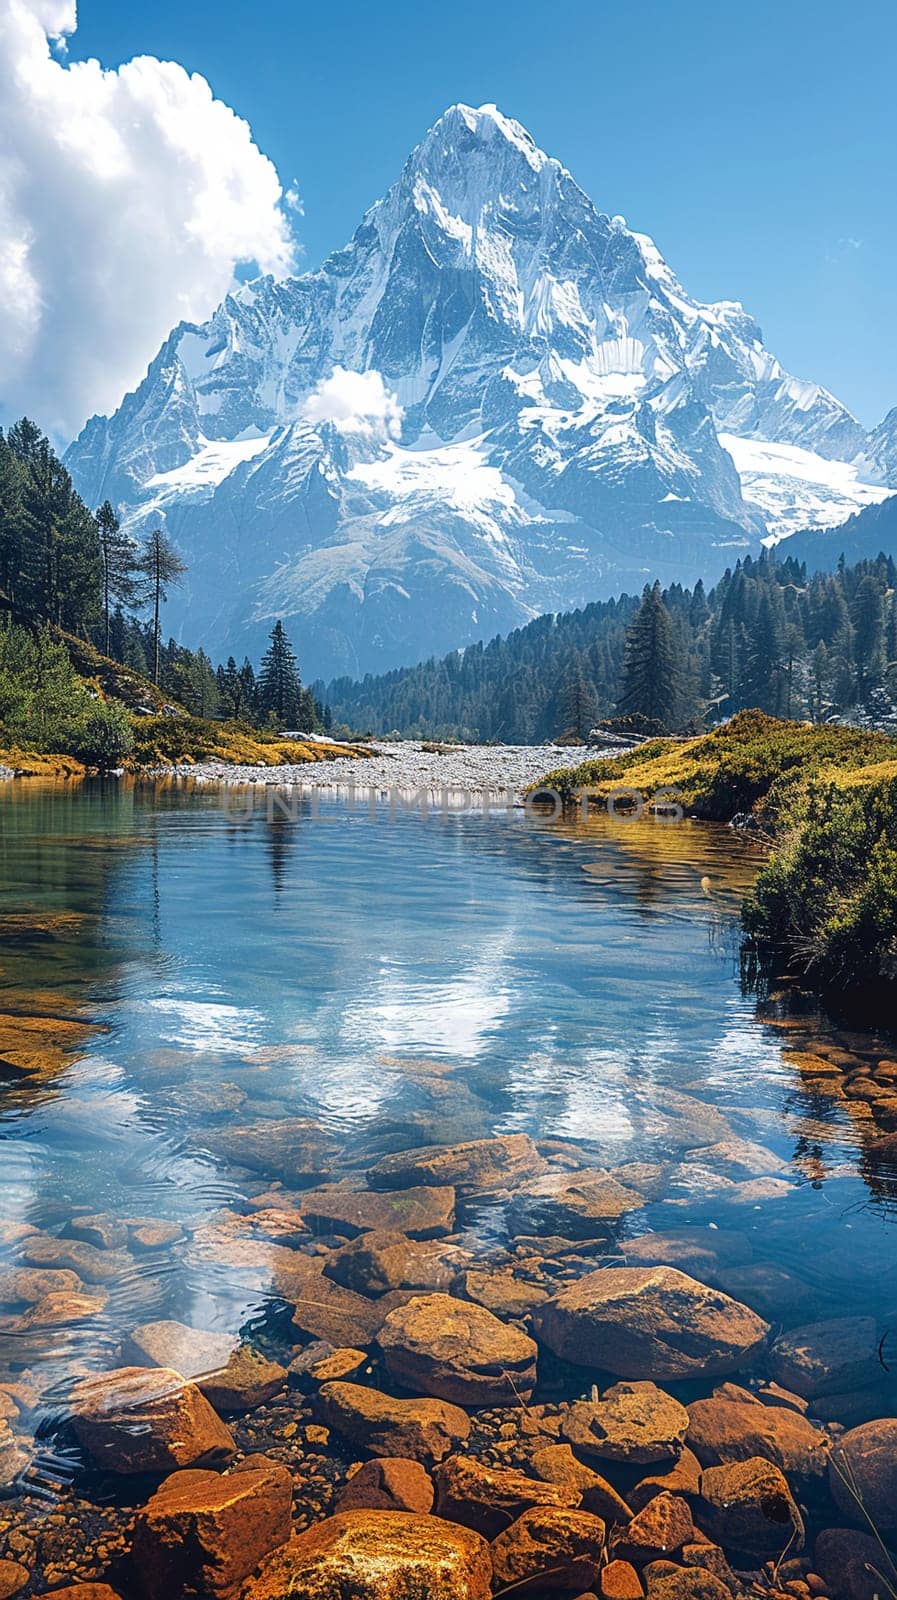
x=66, y=710
x=825, y=900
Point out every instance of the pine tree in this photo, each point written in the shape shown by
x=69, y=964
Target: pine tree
x=279, y=690
x=162, y=567
x=577, y=702
x=118, y=555
x=651, y=667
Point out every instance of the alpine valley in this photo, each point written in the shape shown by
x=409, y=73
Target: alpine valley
x=495, y=402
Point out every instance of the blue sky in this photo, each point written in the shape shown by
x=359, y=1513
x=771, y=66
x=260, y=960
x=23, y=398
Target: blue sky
x=756, y=142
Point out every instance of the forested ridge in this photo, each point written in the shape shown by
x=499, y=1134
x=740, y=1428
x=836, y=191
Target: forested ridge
x=767, y=635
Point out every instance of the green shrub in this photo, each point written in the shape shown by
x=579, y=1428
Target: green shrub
x=106, y=737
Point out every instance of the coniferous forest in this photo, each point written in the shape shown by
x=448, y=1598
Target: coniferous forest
x=767, y=635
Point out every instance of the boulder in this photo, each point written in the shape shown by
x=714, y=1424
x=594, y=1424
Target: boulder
x=503, y=1291
x=650, y=1322
x=556, y=1463
x=420, y=1212
x=13, y=1578
x=100, y=1230
x=424, y=1430
x=60, y=1309
x=853, y=1565
x=202, y=1534
x=377, y=1555
x=549, y=1549
x=477, y=1165
x=683, y=1478
x=24, y=1286
x=635, y=1422
x=490, y=1498
x=140, y=1419
x=576, y=1204
x=863, y=1474
x=193, y=1352
x=73, y=1255
x=146, y=1234
x=382, y=1260
x=458, y=1352
x=662, y=1527
x=827, y=1357
x=733, y=1430
x=748, y=1507
x=391, y=1483
x=688, y=1583
x=248, y=1380
x=295, y=1150
x=620, y=1581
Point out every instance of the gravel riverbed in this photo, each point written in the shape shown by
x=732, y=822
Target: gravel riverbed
x=408, y=767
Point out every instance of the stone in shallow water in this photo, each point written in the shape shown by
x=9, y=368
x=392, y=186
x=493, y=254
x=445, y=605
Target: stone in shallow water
x=702, y=1251
x=423, y=1430
x=854, y=1565
x=730, y=1430
x=747, y=1506
x=377, y=1555
x=295, y=1150
x=27, y=1285
x=13, y=1577
x=100, y=1230
x=556, y=1549
x=13, y=1458
x=73, y=1255
x=391, y=1483
x=382, y=1260
x=420, y=1212
x=863, y=1468
x=193, y=1352
x=147, y=1420
x=634, y=1422
x=650, y=1322
x=203, y=1533
x=769, y=1289
x=458, y=1351
x=503, y=1291
x=835, y=1355
x=150, y=1233
x=57, y=1310
x=662, y=1526
x=246, y=1381
x=582, y=1203
x=489, y=1498
x=683, y=1477
x=556, y=1463
x=474, y=1166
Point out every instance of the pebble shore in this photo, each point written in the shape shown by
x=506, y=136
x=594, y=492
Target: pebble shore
x=407, y=766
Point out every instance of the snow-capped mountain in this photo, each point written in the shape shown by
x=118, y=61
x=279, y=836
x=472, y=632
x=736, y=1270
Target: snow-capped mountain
x=495, y=401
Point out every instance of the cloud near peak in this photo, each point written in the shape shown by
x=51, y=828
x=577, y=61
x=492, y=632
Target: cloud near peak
x=355, y=402
x=127, y=199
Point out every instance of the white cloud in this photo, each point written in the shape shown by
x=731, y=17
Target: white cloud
x=127, y=199
x=355, y=402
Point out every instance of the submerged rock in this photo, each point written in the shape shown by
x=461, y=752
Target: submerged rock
x=854, y=1565
x=378, y=1555
x=554, y=1549
x=556, y=1463
x=295, y=1150
x=193, y=1352
x=385, y=1259
x=475, y=1166
x=458, y=1351
x=420, y=1212
x=580, y=1204
x=202, y=1533
x=634, y=1422
x=662, y=1527
x=863, y=1474
x=827, y=1357
x=732, y=1430
x=140, y=1419
x=748, y=1506
x=391, y=1483
x=423, y=1430
x=489, y=1498
x=650, y=1322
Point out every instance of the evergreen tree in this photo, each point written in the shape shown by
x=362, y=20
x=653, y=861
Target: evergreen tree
x=577, y=702
x=119, y=566
x=162, y=567
x=651, y=667
x=280, y=694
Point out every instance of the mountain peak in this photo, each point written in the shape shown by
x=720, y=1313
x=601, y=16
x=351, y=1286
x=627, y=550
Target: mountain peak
x=462, y=130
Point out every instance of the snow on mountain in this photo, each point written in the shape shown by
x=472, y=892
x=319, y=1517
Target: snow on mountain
x=495, y=401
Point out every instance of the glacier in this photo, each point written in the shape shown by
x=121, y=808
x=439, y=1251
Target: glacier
x=546, y=417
